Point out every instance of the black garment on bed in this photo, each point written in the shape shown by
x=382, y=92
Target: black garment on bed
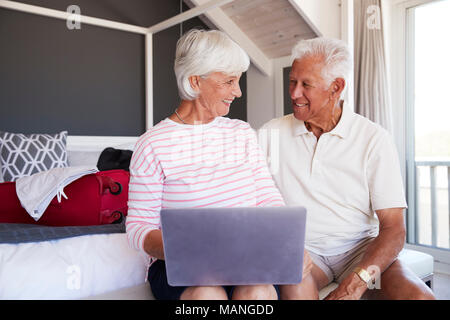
x=112, y=158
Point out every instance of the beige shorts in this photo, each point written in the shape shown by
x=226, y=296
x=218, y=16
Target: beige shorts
x=339, y=266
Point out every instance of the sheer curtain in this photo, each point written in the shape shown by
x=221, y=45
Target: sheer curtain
x=372, y=97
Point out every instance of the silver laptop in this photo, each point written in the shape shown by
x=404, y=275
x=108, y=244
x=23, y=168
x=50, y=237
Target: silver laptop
x=233, y=246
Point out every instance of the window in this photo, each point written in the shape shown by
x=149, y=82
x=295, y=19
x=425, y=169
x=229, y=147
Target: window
x=428, y=124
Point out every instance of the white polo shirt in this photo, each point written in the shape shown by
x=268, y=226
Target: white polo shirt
x=341, y=179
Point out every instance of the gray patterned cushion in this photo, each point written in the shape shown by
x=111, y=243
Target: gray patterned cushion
x=26, y=154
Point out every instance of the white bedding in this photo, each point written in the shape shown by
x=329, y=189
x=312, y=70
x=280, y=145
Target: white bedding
x=76, y=267
x=70, y=268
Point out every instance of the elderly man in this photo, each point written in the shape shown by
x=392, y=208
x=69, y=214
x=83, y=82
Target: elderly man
x=344, y=169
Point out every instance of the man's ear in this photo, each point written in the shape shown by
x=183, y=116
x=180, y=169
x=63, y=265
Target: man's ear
x=195, y=83
x=337, y=86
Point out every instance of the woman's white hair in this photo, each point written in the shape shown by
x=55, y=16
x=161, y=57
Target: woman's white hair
x=200, y=53
x=336, y=56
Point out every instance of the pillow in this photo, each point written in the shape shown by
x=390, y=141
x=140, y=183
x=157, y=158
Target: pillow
x=22, y=155
x=82, y=158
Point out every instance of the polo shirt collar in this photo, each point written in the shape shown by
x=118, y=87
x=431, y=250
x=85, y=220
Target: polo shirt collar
x=342, y=129
x=344, y=125
x=298, y=126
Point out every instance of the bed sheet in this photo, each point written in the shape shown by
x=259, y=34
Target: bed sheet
x=70, y=268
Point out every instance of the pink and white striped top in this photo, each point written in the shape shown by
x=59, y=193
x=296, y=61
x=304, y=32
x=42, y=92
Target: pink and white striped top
x=218, y=164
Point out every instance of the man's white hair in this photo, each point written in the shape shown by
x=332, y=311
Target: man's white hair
x=200, y=53
x=335, y=53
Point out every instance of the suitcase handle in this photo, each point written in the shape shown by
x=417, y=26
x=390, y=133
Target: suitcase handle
x=107, y=183
x=108, y=217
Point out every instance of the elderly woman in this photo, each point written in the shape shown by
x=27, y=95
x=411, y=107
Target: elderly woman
x=198, y=158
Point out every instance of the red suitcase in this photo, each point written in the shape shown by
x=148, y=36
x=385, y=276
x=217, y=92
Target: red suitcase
x=94, y=199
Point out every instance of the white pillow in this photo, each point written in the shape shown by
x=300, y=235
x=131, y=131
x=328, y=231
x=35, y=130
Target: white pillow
x=83, y=158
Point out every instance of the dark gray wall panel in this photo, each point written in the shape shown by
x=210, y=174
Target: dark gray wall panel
x=88, y=81
x=286, y=96
x=238, y=109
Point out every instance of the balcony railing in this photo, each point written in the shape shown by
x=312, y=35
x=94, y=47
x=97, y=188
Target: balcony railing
x=433, y=202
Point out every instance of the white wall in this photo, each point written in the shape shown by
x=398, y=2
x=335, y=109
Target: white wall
x=265, y=95
x=260, y=97
x=324, y=14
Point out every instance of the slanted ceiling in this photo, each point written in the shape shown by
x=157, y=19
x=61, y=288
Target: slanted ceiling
x=274, y=26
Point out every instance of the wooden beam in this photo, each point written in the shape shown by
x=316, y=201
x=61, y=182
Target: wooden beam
x=305, y=17
x=13, y=5
x=148, y=81
x=192, y=13
x=221, y=20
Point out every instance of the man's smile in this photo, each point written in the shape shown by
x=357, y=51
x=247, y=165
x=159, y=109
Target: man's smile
x=228, y=102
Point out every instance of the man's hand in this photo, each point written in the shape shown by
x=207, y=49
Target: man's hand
x=351, y=288
x=382, y=251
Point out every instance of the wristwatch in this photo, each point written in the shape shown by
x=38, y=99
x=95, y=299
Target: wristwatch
x=363, y=274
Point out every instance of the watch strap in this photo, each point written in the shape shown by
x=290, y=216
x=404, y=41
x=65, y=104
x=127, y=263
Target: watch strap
x=363, y=274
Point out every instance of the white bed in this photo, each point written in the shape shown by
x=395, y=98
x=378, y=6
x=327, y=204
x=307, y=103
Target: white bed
x=70, y=268
x=76, y=267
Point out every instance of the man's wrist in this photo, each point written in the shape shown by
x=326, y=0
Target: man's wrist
x=358, y=284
